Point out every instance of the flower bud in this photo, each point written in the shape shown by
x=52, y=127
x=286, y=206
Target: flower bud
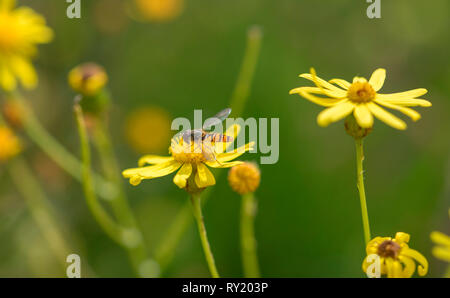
x=353, y=129
x=88, y=79
x=244, y=178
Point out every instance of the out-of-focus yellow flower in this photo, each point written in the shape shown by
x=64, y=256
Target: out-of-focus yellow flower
x=88, y=79
x=159, y=10
x=361, y=98
x=151, y=122
x=244, y=178
x=442, y=250
x=21, y=29
x=191, y=157
x=10, y=145
x=396, y=258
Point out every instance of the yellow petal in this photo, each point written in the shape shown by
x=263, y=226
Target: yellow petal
x=413, y=102
x=377, y=78
x=390, y=267
x=386, y=117
x=401, y=237
x=407, y=111
x=397, y=269
x=136, y=175
x=228, y=156
x=326, y=102
x=359, y=79
x=182, y=176
x=335, y=113
x=363, y=116
x=441, y=253
x=24, y=71
x=204, y=177
x=7, y=5
x=440, y=238
x=153, y=159
x=403, y=95
x=322, y=83
x=232, y=131
x=7, y=79
x=422, y=269
x=218, y=164
x=342, y=83
x=409, y=267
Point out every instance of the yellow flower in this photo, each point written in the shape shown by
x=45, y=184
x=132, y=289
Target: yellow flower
x=191, y=159
x=396, y=258
x=159, y=10
x=145, y=120
x=88, y=79
x=244, y=178
x=10, y=144
x=21, y=29
x=361, y=98
x=442, y=250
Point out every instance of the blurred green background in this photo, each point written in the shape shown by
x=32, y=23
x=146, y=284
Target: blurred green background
x=309, y=222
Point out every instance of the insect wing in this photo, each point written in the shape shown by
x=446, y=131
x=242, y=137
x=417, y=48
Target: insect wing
x=218, y=118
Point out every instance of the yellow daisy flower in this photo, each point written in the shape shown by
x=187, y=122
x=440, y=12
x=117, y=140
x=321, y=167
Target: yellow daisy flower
x=10, y=144
x=191, y=160
x=160, y=10
x=361, y=98
x=143, y=120
x=396, y=258
x=20, y=30
x=442, y=250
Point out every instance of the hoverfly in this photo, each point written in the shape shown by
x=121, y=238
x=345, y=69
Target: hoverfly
x=205, y=139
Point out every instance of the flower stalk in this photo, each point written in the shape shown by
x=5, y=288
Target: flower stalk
x=361, y=189
x=102, y=217
x=197, y=210
x=248, y=241
x=40, y=208
x=54, y=150
x=165, y=249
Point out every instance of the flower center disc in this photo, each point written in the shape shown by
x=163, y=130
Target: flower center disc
x=361, y=92
x=389, y=248
x=187, y=153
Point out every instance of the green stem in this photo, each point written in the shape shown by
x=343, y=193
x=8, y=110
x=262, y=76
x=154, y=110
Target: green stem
x=102, y=217
x=197, y=209
x=242, y=89
x=362, y=192
x=119, y=204
x=248, y=241
x=40, y=208
x=165, y=250
x=56, y=151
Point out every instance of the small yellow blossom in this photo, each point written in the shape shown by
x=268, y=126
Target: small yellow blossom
x=144, y=120
x=361, y=98
x=88, y=79
x=10, y=144
x=244, y=178
x=21, y=29
x=159, y=10
x=191, y=159
x=442, y=250
x=396, y=258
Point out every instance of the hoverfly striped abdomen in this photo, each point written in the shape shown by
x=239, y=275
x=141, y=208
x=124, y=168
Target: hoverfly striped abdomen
x=217, y=137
